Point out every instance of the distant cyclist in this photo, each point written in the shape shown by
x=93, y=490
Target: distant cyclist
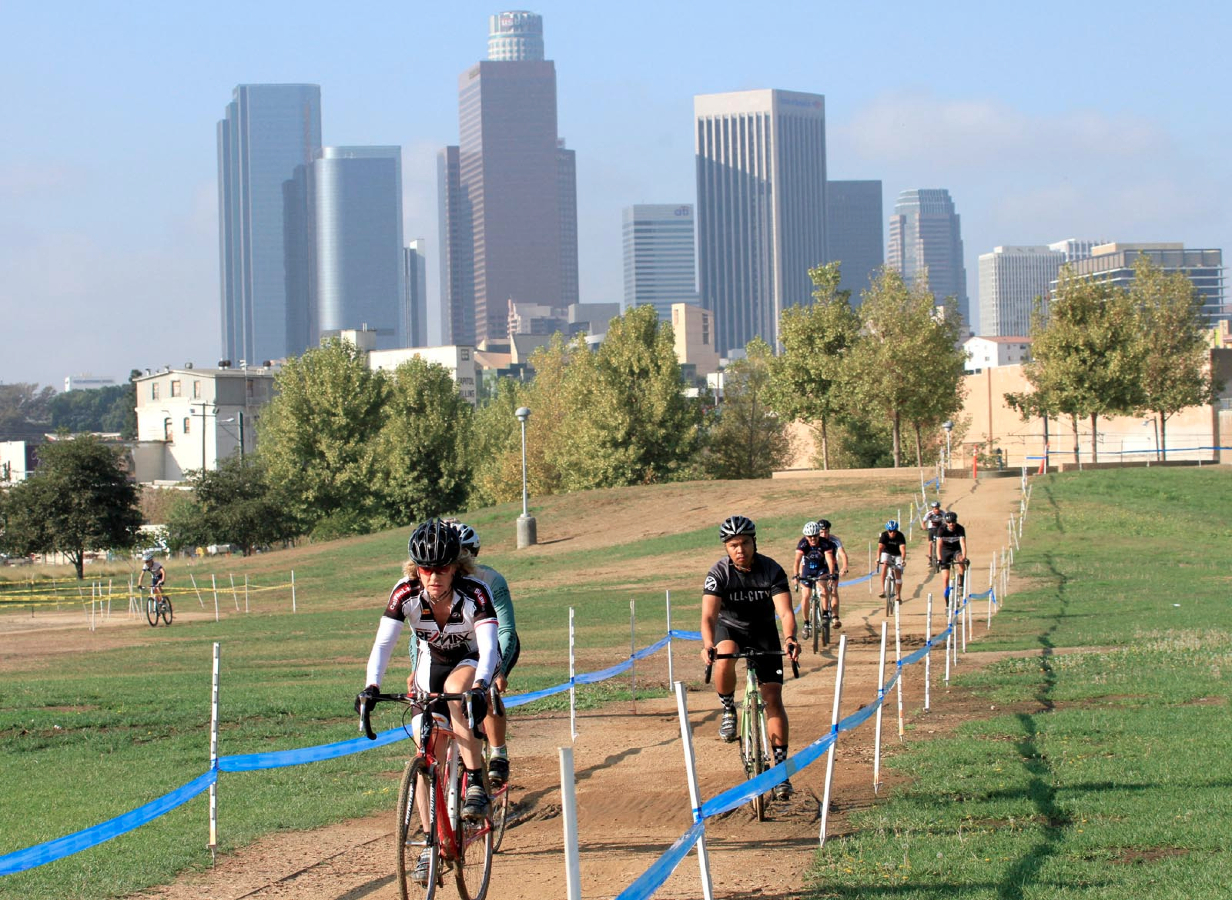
x=158, y=575
x=454, y=623
x=951, y=547
x=814, y=561
x=892, y=555
x=740, y=597
x=510, y=648
x=831, y=585
x=933, y=520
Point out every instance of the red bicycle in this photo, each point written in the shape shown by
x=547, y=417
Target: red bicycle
x=430, y=799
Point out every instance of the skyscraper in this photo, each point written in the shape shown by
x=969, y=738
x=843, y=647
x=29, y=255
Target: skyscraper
x=266, y=144
x=357, y=205
x=1010, y=280
x=854, y=233
x=925, y=236
x=510, y=213
x=1115, y=263
x=1076, y=248
x=658, y=256
x=761, y=207
x=415, y=274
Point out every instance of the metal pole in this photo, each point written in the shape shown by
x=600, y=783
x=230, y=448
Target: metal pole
x=568, y=796
x=695, y=794
x=213, y=844
x=524, y=506
x=880, y=707
x=838, y=697
x=572, y=684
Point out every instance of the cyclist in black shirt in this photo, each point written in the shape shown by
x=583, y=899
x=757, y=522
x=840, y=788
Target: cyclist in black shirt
x=740, y=597
x=814, y=561
x=892, y=552
x=951, y=547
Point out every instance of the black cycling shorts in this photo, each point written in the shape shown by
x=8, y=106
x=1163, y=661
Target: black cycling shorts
x=948, y=559
x=769, y=669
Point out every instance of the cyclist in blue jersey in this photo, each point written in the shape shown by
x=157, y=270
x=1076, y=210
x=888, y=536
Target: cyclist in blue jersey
x=510, y=648
x=814, y=561
x=740, y=596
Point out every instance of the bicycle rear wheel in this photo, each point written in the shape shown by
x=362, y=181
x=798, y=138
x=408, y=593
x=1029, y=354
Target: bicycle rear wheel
x=151, y=610
x=472, y=862
x=409, y=833
x=825, y=625
x=887, y=585
x=164, y=609
x=500, y=816
x=815, y=617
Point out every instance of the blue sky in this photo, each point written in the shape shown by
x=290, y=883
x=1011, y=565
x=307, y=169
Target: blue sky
x=1105, y=120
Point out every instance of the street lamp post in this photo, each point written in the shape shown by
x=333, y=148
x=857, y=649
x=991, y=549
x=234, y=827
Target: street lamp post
x=526, y=523
x=1155, y=428
x=949, y=427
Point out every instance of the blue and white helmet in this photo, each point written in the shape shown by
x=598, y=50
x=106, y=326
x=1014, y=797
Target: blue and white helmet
x=892, y=525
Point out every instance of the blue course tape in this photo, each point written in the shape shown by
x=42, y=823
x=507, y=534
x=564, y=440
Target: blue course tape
x=20, y=860
x=250, y=762
x=522, y=699
x=652, y=879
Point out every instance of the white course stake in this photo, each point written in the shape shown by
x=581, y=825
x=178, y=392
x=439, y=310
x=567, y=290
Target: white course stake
x=898, y=667
x=880, y=709
x=572, y=684
x=213, y=844
x=197, y=589
x=234, y=595
x=292, y=590
x=928, y=654
x=568, y=798
x=695, y=794
x=632, y=651
x=670, y=670
x=838, y=697
x=949, y=638
x=214, y=582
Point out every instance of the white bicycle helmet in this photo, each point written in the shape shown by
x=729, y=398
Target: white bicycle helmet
x=811, y=529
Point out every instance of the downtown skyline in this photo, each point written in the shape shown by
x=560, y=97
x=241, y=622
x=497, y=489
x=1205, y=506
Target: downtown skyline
x=108, y=194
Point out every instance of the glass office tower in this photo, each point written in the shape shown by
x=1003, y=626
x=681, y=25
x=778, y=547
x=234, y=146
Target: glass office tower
x=266, y=145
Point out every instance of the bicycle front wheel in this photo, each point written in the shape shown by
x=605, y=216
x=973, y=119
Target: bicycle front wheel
x=472, y=861
x=500, y=816
x=815, y=620
x=410, y=836
x=151, y=611
x=164, y=609
x=752, y=748
x=887, y=585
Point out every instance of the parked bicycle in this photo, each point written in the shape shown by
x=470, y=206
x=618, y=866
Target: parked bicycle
x=430, y=799
x=755, y=753
x=157, y=607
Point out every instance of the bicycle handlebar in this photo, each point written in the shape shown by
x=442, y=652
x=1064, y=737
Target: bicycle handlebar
x=417, y=698
x=749, y=655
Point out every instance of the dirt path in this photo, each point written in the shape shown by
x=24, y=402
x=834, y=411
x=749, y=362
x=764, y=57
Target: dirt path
x=632, y=798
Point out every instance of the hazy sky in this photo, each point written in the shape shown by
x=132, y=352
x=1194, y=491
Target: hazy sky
x=1095, y=119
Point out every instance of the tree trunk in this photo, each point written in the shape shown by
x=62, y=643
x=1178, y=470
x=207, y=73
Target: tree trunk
x=1074, y=421
x=897, y=431
x=825, y=448
x=1161, y=449
x=78, y=560
x=919, y=446
x=1094, y=437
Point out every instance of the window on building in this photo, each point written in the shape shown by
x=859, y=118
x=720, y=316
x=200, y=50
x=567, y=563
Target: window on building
x=187, y=419
x=168, y=431
x=196, y=389
x=464, y=354
x=154, y=390
x=176, y=388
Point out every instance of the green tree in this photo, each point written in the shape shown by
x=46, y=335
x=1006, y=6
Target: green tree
x=424, y=445
x=748, y=439
x=628, y=419
x=23, y=409
x=78, y=499
x=496, y=446
x=890, y=364
x=808, y=379
x=1172, y=350
x=235, y=505
x=1084, y=355
x=932, y=365
x=112, y=408
x=318, y=438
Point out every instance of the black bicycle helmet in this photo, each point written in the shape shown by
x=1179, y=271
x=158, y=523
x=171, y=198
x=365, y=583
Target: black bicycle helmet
x=434, y=543
x=823, y=524
x=736, y=525
x=951, y=517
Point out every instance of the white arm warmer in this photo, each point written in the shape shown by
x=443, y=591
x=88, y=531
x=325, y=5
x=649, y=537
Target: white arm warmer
x=382, y=649
x=489, y=653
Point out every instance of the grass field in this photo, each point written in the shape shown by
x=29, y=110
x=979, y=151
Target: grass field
x=91, y=735
x=1101, y=768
